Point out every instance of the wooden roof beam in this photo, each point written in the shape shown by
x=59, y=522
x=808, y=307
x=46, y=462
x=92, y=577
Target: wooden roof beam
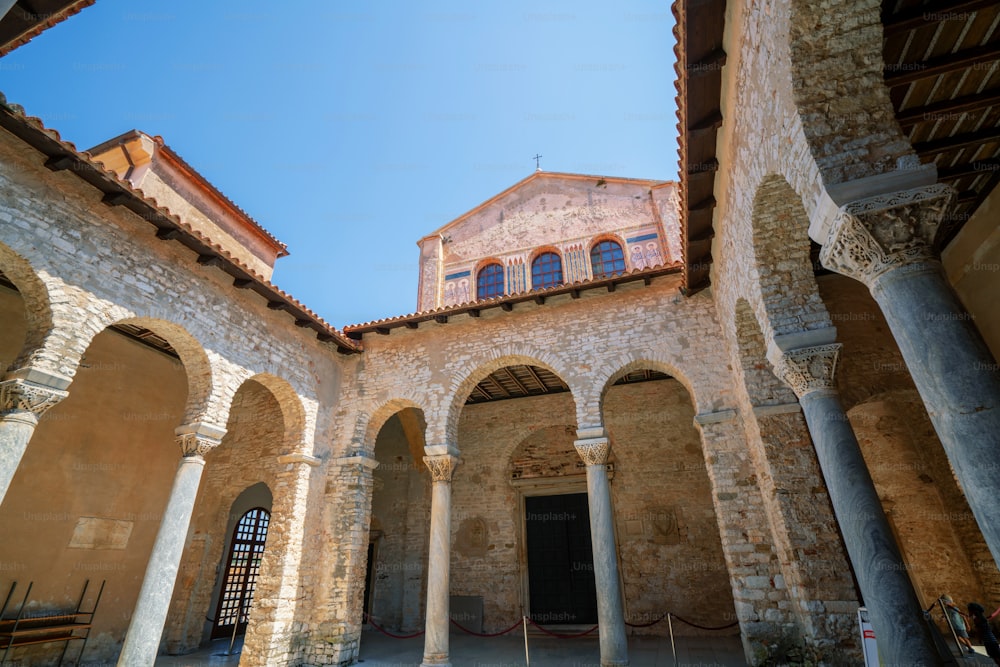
x=958, y=141
x=899, y=74
x=924, y=15
x=948, y=109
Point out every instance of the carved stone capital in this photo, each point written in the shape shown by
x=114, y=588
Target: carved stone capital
x=593, y=451
x=870, y=237
x=808, y=369
x=19, y=395
x=198, y=439
x=442, y=467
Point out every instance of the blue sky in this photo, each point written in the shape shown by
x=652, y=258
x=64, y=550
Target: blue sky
x=351, y=130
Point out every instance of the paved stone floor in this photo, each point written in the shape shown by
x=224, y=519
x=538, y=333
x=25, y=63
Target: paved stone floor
x=466, y=651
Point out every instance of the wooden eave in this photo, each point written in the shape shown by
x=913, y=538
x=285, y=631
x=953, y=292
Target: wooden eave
x=942, y=68
x=506, y=303
x=699, y=31
x=26, y=20
x=61, y=156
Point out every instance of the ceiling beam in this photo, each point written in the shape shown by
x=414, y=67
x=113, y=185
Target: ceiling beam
x=928, y=14
x=958, y=141
x=899, y=74
x=948, y=109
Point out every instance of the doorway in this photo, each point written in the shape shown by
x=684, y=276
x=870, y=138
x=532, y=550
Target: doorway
x=561, y=588
x=242, y=569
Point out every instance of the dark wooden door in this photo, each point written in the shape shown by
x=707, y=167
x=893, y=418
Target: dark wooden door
x=560, y=560
x=242, y=568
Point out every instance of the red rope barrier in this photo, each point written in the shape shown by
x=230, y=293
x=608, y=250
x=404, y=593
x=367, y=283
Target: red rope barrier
x=488, y=634
x=389, y=634
x=549, y=632
x=682, y=620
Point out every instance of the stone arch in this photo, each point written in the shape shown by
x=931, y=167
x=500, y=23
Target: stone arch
x=292, y=411
x=37, y=305
x=838, y=90
x=788, y=292
x=367, y=428
x=207, y=400
x=654, y=362
x=464, y=383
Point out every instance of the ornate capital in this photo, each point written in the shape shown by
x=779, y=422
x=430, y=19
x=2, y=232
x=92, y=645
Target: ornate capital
x=872, y=236
x=593, y=451
x=18, y=395
x=808, y=369
x=198, y=439
x=442, y=467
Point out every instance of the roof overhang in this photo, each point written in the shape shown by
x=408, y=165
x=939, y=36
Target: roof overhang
x=26, y=20
x=63, y=156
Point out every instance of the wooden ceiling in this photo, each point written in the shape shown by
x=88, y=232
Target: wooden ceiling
x=942, y=67
x=522, y=381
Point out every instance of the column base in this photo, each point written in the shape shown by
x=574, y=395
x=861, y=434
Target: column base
x=614, y=663
x=434, y=662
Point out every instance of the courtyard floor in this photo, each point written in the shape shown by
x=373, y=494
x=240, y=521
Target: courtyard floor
x=467, y=651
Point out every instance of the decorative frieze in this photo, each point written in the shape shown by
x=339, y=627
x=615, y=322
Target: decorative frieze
x=808, y=369
x=869, y=237
x=19, y=395
x=593, y=451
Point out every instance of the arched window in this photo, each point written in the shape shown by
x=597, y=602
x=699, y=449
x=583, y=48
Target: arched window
x=546, y=271
x=242, y=568
x=607, y=258
x=489, y=281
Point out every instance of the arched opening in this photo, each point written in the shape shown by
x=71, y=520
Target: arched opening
x=256, y=430
x=88, y=497
x=510, y=518
x=667, y=531
x=14, y=317
x=395, y=587
x=242, y=567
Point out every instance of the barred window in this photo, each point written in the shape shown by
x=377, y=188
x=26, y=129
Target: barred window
x=489, y=281
x=607, y=258
x=546, y=271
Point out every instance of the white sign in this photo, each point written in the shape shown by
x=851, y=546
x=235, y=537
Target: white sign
x=868, y=639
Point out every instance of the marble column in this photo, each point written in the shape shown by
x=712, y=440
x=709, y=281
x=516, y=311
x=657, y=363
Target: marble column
x=441, y=461
x=24, y=397
x=903, y=636
x=886, y=243
x=610, y=616
x=142, y=641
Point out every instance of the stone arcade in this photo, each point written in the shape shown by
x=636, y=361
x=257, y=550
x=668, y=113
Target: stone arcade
x=757, y=396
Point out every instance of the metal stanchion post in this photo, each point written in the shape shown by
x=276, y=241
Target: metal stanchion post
x=524, y=621
x=673, y=648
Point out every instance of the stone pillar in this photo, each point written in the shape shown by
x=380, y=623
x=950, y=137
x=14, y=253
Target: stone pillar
x=886, y=243
x=903, y=636
x=610, y=617
x=142, y=641
x=442, y=461
x=279, y=593
x=24, y=397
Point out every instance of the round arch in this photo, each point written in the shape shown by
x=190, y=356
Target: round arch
x=292, y=411
x=502, y=357
x=369, y=424
x=37, y=306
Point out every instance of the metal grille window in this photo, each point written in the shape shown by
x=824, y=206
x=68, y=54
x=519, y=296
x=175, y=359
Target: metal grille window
x=489, y=281
x=606, y=259
x=242, y=569
x=546, y=271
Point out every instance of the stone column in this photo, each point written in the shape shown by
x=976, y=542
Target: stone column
x=610, y=617
x=903, y=636
x=24, y=397
x=886, y=243
x=442, y=461
x=142, y=641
